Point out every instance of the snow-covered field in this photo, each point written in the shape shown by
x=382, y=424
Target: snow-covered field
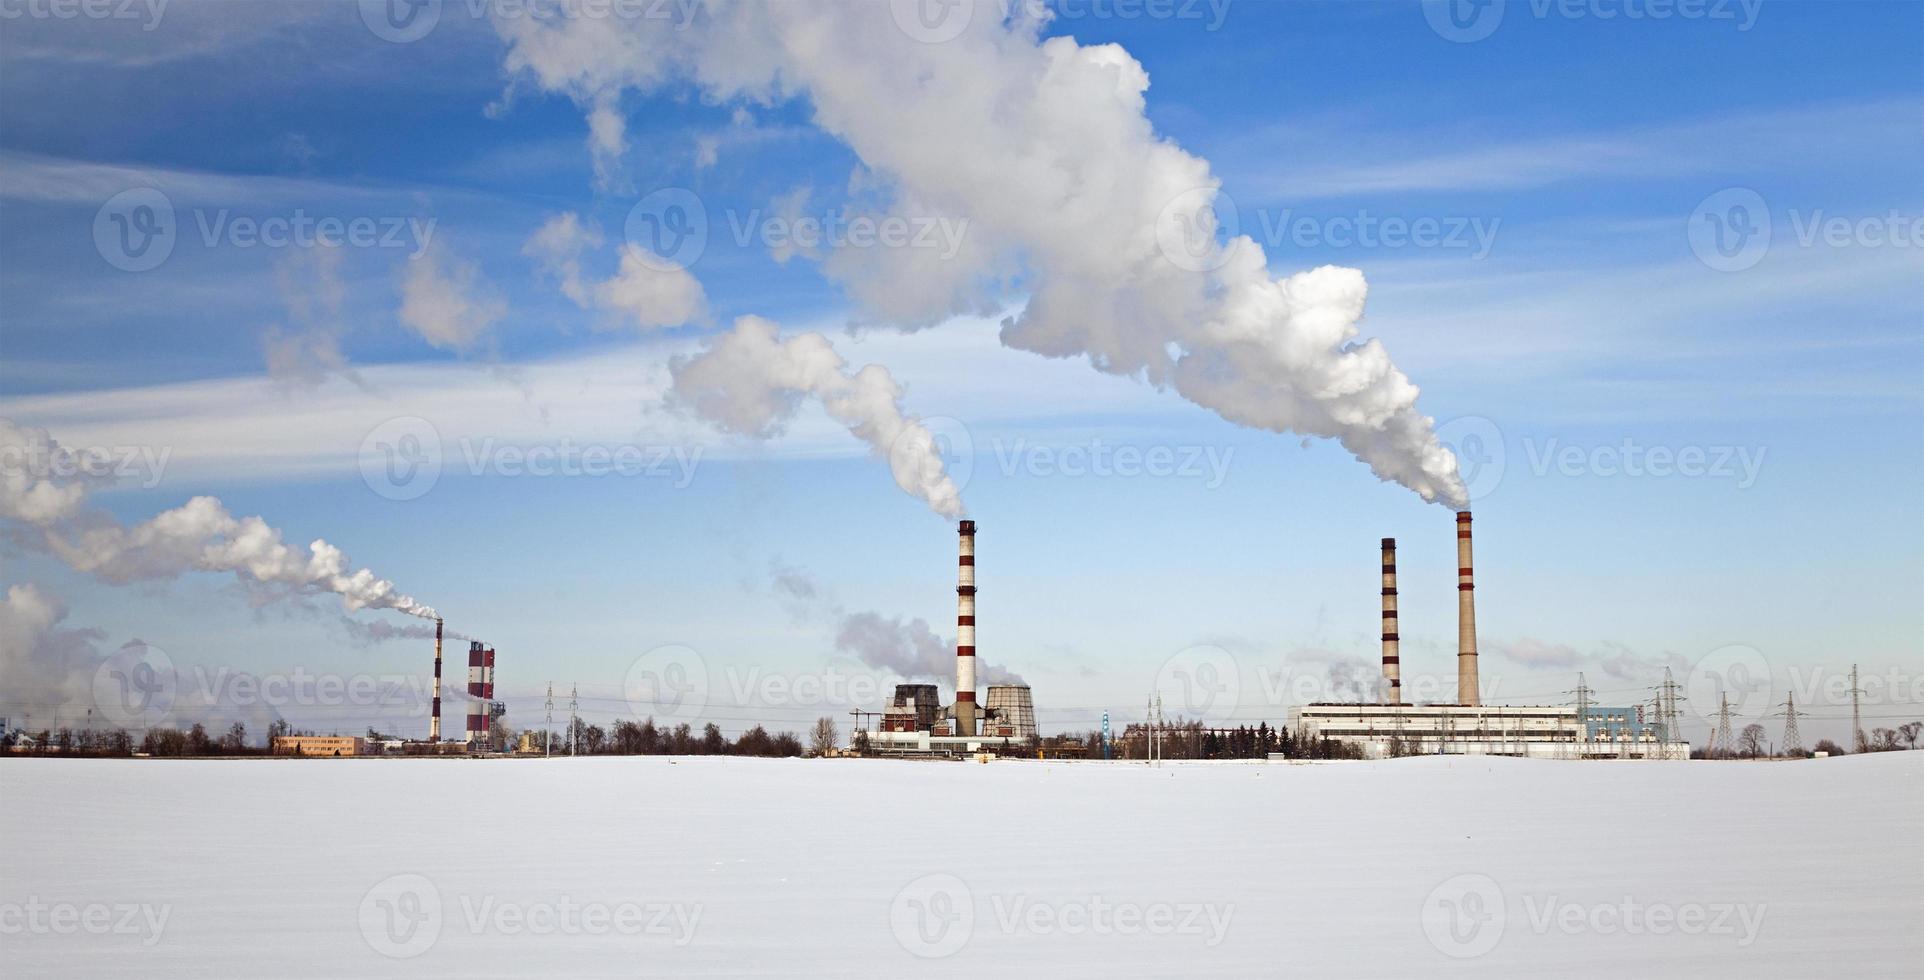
x=690, y=867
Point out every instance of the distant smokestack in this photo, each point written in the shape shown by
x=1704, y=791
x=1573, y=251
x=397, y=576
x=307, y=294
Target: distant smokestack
x=965, y=711
x=1466, y=686
x=1392, y=666
x=434, y=720
x=477, y=708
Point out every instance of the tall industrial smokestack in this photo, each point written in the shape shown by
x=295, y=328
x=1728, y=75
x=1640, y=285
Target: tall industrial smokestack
x=1466, y=686
x=1392, y=666
x=965, y=712
x=434, y=720
x=477, y=706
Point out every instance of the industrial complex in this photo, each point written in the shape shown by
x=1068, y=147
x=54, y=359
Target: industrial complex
x=915, y=723
x=1468, y=727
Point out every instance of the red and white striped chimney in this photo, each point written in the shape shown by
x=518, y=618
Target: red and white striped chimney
x=1392, y=662
x=434, y=720
x=477, y=707
x=965, y=710
x=1466, y=685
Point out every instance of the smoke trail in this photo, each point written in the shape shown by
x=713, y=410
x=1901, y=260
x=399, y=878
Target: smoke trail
x=1043, y=148
x=907, y=648
x=199, y=535
x=750, y=381
x=382, y=631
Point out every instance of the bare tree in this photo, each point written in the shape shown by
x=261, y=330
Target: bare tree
x=1750, y=744
x=823, y=739
x=1910, y=730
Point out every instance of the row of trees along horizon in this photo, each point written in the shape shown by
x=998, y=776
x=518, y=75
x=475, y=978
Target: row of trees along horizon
x=1176, y=740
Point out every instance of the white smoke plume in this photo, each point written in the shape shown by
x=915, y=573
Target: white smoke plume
x=1043, y=147
x=907, y=647
x=43, y=664
x=751, y=382
x=199, y=535
x=646, y=292
x=367, y=634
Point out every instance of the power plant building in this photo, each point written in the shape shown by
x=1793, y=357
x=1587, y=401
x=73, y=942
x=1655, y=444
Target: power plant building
x=1470, y=727
x=914, y=721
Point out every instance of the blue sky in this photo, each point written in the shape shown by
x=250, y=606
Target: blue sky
x=1562, y=318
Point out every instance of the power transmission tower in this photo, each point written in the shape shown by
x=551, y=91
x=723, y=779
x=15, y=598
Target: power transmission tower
x=574, y=705
x=1860, y=743
x=547, y=750
x=1793, y=740
x=1721, y=742
x=1584, y=695
x=1673, y=725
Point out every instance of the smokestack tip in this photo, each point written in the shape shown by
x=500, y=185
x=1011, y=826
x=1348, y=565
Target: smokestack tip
x=1463, y=517
x=1389, y=542
x=966, y=527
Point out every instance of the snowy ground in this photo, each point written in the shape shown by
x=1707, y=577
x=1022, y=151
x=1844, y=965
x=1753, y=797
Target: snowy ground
x=646, y=866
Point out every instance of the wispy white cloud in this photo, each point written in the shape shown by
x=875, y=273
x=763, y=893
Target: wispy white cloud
x=1737, y=143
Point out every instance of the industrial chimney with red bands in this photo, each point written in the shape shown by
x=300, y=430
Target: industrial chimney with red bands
x=965, y=710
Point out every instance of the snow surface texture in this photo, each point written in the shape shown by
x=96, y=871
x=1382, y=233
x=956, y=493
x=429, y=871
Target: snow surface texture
x=690, y=867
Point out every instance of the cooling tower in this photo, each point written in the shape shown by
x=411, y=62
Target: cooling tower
x=1011, y=711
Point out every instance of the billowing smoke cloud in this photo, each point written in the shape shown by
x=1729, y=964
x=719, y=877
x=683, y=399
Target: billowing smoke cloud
x=199, y=535
x=751, y=382
x=647, y=291
x=43, y=665
x=905, y=647
x=1044, y=149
